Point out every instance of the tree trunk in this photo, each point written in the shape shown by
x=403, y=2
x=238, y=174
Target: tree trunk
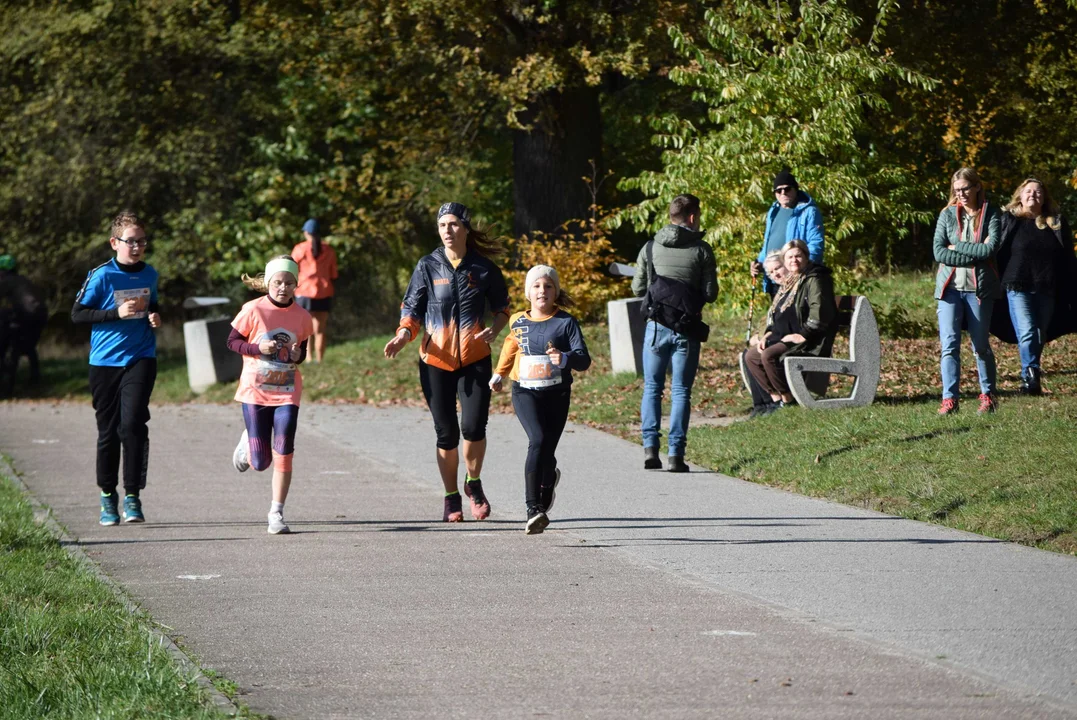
x=551, y=160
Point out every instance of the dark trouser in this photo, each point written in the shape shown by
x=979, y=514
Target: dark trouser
x=543, y=413
x=441, y=389
x=766, y=367
x=269, y=429
x=121, y=399
x=760, y=397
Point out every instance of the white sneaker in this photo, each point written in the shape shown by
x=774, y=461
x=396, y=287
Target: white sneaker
x=239, y=455
x=276, y=524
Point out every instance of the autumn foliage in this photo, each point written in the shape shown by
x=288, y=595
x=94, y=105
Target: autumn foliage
x=580, y=258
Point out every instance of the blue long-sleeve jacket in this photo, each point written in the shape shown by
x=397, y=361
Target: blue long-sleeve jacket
x=806, y=224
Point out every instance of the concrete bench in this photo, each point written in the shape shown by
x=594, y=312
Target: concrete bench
x=863, y=363
x=809, y=376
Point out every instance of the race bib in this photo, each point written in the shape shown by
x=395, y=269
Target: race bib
x=141, y=297
x=272, y=376
x=537, y=371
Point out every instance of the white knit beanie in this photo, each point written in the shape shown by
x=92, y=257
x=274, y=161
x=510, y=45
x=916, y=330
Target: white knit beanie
x=541, y=271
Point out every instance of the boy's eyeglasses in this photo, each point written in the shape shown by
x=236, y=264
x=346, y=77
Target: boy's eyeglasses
x=134, y=242
x=785, y=190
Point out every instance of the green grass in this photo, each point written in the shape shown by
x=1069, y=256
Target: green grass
x=68, y=647
x=1010, y=475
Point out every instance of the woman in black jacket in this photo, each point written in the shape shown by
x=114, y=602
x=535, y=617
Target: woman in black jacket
x=1037, y=265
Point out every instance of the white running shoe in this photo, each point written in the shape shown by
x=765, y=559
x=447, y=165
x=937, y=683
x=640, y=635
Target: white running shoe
x=276, y=524
x=239, y=455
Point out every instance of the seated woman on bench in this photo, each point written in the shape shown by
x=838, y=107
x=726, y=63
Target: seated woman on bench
x=800, y=322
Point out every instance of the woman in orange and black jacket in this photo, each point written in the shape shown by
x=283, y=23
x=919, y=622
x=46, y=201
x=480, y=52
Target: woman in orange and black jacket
x=448, y=296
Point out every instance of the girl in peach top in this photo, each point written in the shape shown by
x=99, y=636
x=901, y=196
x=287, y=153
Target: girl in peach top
x=271, y=334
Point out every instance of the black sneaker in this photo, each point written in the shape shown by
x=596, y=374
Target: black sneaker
x=759, y=410
x=1030, y=382
x=536, y=520
x=552, y=492
x=454, y=508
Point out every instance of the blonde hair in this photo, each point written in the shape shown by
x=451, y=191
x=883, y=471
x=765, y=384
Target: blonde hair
x=259, y=282
x=970, y=176
x=796, y=244
x=1048, y=216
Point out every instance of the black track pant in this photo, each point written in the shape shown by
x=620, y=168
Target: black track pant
x=441, y=388
x=121, y=399
x=543, y=414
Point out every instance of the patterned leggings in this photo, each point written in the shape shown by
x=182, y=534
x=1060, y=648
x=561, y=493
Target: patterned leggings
x=264, y=422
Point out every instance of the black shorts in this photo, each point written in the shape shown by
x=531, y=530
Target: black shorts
x=315, y=304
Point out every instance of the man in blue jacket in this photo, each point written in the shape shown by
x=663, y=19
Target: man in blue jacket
x=793, y=216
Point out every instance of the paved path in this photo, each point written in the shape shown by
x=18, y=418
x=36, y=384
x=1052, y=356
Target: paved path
x=652, y=595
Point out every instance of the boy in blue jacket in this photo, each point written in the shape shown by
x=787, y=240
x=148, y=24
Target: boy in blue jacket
x=119, y=301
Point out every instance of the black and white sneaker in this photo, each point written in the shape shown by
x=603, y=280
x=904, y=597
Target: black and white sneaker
x=536, y=521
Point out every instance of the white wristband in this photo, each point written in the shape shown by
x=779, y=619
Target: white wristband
x=404, y=330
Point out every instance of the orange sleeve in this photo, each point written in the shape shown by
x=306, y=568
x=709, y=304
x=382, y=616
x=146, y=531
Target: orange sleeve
x=507, y=361
x=412, y=325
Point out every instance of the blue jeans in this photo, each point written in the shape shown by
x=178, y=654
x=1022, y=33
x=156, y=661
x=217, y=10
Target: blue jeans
x=1030, y=313
x=952, y=308
x=662, y=349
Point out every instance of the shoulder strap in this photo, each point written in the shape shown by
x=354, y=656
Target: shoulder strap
x=650, y=262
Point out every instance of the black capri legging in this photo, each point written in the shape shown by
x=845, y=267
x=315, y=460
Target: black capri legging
x=471, y=384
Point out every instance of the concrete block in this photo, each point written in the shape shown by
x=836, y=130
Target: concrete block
x=627, y=328
x=209, y=360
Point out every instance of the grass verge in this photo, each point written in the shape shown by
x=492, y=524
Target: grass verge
x=68, y=646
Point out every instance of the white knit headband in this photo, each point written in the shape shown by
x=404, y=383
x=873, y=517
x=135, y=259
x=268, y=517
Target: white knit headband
x=280, y=264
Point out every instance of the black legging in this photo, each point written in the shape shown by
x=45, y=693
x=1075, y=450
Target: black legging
x=442, y=387
x=543, y=414
x=121, y=399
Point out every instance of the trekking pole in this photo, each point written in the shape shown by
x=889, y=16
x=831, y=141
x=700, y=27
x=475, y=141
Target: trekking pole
x=751, y=315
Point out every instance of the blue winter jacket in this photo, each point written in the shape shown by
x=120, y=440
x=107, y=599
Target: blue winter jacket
x=806, y=224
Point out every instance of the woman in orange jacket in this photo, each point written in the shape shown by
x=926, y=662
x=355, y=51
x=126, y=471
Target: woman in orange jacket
x=317, y=270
